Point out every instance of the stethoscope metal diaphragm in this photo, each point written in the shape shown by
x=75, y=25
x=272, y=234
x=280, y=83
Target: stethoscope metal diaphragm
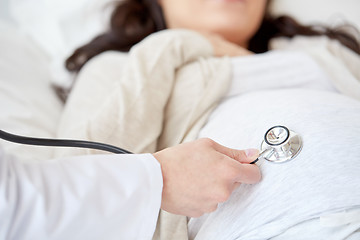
x=280, y=145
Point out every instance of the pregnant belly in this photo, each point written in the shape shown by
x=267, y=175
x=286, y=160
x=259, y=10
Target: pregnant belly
x=322, y=179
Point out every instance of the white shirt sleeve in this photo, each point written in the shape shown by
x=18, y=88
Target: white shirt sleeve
x=88, y=197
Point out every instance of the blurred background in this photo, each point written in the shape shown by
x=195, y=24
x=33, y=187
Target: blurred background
x=59, y=26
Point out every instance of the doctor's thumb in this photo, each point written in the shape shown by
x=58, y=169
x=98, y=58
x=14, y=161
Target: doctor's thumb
x=249, y=173
x=242, y=156
x=246, y=172
x=251, y=155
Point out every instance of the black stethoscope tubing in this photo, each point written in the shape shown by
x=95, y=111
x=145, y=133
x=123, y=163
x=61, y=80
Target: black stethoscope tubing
x=61, y=143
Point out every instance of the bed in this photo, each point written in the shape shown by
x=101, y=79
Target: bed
x=36, y=37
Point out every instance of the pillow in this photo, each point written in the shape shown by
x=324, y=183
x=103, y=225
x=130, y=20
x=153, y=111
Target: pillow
x=27, y=100
x=331, y=12
x=59, y=27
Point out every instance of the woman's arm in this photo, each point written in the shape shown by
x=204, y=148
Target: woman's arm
x=131, y=111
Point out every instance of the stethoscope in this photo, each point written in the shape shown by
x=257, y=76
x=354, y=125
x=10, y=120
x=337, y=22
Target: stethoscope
x=279, y=145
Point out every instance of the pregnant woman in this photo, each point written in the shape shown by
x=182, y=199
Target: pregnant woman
x=227, y=70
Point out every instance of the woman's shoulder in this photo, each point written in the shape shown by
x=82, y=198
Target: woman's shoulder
x=108, y=60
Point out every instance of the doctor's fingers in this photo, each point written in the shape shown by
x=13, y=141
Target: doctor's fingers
x=243, y=156
x=248, y=173
x=235, y=164
x=242, y=173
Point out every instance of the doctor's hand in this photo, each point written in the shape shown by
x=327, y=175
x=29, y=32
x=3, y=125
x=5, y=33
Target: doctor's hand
x=199, y=175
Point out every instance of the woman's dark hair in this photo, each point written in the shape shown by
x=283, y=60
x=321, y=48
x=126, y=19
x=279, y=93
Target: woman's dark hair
x=130, y=22
x=133, y=20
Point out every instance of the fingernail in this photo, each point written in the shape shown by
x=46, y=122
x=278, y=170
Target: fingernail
x=251, y=152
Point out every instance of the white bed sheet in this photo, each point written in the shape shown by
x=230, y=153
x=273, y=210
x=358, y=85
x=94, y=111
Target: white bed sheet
x=27, y=101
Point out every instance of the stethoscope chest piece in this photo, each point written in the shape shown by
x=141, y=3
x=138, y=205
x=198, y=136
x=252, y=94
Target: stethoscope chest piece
x=280, y=145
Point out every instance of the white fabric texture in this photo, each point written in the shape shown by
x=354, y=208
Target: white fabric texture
x=278, y=69
x=89, y=197
x=331, y=12
x=59, y=27
x=28, y=103
x=292, y=196
x=338, y=62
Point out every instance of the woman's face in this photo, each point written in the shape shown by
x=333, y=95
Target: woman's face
x=235, y=20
